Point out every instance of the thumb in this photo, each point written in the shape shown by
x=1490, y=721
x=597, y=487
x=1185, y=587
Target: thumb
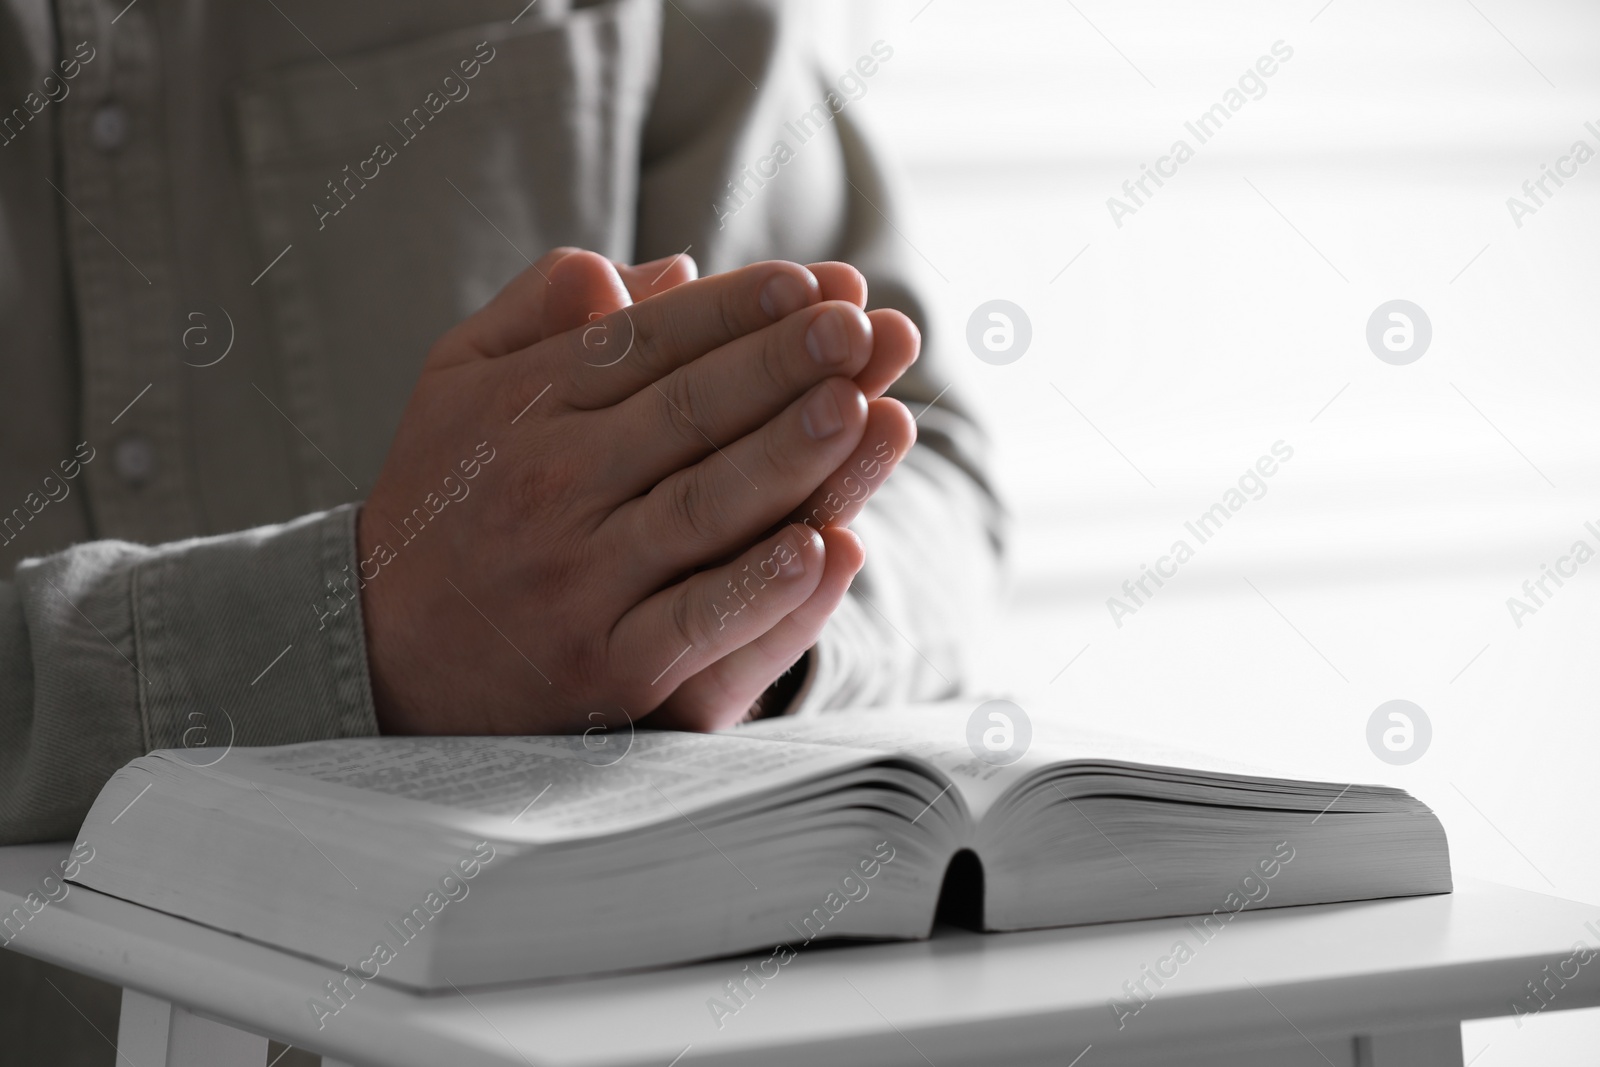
x=647, y=279
x=583, y=286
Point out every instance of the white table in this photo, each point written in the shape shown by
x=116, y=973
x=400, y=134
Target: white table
x=1378, y=983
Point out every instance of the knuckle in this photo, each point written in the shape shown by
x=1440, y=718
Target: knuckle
x=649, y=338
x=542, y=486
x=688, y=621
x=680, y=407
x=522, y=399
x=687, y=509
x=683, y=396
x=659, y=332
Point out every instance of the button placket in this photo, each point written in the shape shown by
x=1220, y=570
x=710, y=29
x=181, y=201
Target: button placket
x=118, y=238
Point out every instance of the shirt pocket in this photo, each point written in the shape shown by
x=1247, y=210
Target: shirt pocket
x=402, y=187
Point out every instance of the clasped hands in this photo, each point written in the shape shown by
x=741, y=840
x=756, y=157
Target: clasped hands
x=661, y=528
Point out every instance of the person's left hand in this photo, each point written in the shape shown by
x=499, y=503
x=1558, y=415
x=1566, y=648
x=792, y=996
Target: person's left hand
x=580, y=287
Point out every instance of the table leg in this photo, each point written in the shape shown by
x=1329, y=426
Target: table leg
x=157, y=1033
x=1438, y=1046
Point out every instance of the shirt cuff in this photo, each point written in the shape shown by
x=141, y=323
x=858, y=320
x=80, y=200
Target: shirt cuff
x=253, y=638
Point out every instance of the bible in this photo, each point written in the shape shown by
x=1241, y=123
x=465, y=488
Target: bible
x=440, y=861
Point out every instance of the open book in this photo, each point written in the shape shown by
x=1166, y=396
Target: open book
x=430, y=861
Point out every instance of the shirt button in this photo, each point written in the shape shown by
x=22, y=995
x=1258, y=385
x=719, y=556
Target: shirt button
x=108, y=128
x=134, y=459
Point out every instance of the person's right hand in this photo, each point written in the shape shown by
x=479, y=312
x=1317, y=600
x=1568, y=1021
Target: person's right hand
x=567, y=580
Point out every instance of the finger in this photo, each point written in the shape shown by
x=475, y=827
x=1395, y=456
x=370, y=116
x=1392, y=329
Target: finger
x=645, y=280
x=840, y=281
x=897, y=339
x=896, y=343
x=706, y=511
x=586, y=286
x=513, y=319
x=658, y=335
x=887, y=437
x=678, y=632
x=583, y=287
x=729, y=392
x=723, y=693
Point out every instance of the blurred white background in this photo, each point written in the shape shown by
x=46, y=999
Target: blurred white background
x=1229, y=313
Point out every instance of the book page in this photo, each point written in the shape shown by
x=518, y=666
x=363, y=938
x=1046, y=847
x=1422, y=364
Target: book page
x=935, y=733
x=540, y=788
x=943, y=734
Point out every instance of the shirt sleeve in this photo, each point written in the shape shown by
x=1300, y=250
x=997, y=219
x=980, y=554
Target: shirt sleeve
x=754, y=150
x=113, y=649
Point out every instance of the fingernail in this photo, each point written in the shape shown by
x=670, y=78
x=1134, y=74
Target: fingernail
x=827, y=340
x=821, y=416
x=794, y=566
x=783, y=295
